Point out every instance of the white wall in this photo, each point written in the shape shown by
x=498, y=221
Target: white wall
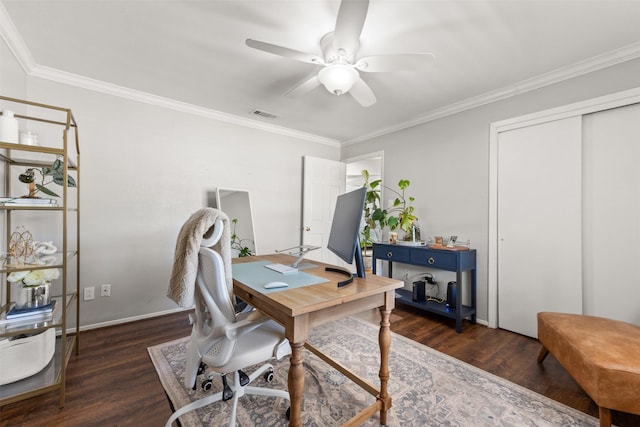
x=145, y=169
x=13, y=81
x=447, y=160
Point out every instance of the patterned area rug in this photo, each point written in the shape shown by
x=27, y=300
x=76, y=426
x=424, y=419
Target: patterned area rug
x=428, y=388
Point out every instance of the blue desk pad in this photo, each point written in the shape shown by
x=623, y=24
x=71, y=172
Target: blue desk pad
x=256, y=275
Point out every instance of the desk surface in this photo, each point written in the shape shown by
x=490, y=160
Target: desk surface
x=296, y=301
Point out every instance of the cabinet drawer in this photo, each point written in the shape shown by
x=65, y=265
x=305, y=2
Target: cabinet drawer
x=444, y=260
x=393, y=253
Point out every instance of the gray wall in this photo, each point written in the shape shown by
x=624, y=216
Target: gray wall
x=447, y=160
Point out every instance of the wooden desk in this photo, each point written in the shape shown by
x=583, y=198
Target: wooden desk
x=300, y=309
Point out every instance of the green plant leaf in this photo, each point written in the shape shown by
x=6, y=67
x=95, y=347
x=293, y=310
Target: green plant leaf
x=392, y=222
x=45, y=190
x=58, y=174
x=403, y=183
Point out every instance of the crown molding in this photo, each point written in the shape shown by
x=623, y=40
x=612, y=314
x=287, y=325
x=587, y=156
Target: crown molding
x=20, y=50
x=71, y=79
x=618, y=56
x=14, y=41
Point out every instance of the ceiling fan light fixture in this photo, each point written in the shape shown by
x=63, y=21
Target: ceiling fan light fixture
x=338, y=78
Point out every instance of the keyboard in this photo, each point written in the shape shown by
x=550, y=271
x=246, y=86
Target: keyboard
x=281, y=268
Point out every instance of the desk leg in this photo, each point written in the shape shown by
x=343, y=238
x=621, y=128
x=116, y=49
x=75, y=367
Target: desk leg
x=384, y=340
x=296, y=383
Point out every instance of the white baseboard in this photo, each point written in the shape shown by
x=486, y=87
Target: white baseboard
x=161, y=313
x=127, y=320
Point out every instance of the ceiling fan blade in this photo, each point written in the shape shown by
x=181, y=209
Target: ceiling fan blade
x=306, y=87
x=351, y=17
x=394, y=62
x=362, y=93
x=285, y=51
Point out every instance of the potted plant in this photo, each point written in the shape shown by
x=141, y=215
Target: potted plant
x=376, y=218
x=55, y=171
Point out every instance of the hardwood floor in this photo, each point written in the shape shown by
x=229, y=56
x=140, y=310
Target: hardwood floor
x=113, y=383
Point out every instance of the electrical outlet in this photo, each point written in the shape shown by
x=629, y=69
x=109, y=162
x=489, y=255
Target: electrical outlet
x=89, y=293
x=105, y=290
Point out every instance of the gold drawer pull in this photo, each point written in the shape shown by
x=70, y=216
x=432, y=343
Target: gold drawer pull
x=431, y=260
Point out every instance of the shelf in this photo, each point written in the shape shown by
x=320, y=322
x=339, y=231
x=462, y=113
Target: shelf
x=31, y=148
x=57, y=263
x=17, y=326
x=61, y=144
x=34, y=162
x=406, y=297
x=48, y=379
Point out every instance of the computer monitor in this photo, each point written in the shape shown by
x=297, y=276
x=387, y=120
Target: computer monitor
x=344, y=239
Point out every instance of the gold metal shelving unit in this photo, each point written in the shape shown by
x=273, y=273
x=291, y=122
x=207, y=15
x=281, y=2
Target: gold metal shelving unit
x=64, y=218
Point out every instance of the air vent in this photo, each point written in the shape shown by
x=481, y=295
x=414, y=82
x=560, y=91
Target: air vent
x=264, y=114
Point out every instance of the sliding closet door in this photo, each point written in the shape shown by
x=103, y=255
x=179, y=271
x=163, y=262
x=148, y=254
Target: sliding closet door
x=539, y=223
x=612, y=213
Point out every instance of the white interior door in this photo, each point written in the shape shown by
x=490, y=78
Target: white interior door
x=539, y=223
x=323, y=181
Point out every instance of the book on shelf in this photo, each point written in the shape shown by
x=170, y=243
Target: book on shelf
x=27, y=312
x=27, y=201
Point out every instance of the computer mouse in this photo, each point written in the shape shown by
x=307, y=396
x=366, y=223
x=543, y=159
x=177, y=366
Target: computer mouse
x=272, y=285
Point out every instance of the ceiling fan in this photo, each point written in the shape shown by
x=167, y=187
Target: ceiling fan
x=340, y=71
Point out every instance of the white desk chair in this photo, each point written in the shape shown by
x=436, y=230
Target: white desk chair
x=227, y=342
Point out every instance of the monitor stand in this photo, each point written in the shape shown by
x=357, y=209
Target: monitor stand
x=305, y=266
x=300, y=251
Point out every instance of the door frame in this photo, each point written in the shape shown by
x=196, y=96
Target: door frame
x=615, y=100
x=366, y=157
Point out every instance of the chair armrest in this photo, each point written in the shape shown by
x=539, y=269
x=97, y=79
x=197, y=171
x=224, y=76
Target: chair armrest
x=234, y=330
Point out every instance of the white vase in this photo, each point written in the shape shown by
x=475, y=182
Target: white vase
x=8, y=127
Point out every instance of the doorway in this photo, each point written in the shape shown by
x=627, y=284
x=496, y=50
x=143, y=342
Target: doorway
x=373, y=163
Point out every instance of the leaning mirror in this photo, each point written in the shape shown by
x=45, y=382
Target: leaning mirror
x=237, y=205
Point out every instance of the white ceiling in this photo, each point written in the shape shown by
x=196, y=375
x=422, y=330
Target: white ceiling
x=194, y=53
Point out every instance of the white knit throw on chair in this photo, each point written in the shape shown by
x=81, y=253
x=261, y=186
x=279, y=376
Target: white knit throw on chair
x=185, y=263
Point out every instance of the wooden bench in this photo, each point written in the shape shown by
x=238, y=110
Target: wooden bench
x=602, y=355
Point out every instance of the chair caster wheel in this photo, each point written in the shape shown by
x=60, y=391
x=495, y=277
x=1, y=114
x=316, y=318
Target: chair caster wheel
x=288, y=413
x=207, y=385
x=268, y=376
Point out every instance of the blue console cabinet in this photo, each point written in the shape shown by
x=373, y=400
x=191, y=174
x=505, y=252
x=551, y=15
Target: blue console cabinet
x=457, y=261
